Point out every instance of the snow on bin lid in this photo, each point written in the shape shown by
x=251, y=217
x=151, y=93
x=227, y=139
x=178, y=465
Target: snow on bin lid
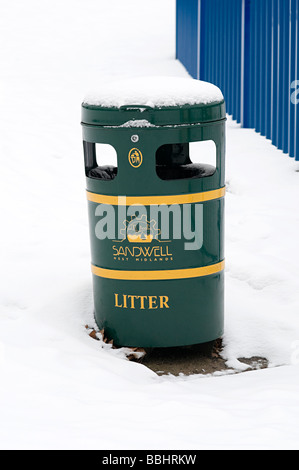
x=155, y=92
x=153, y=101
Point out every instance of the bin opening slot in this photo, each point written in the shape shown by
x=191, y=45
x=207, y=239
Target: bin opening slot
x=186, y=161
x=100, y=161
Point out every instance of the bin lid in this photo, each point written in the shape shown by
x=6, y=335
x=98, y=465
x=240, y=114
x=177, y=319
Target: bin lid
x=154, y=101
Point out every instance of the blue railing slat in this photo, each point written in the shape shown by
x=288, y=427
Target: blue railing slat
x=257, y=66
x=263, y=75
x=296, y=136
x=292, y=48
x=275, y=89
x=269, y=82
x=280, y=73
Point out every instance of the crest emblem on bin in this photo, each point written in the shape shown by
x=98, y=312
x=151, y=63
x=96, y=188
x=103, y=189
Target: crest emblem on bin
x=140, y=230
x=135, y=158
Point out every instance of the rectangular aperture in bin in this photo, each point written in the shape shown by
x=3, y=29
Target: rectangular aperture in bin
x=100, y=161
x=186, y=161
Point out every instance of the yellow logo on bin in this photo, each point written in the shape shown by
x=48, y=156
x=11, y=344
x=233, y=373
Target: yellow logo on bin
x=140, y=230
x=135, y=158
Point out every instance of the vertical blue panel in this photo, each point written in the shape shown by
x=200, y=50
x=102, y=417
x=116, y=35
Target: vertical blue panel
x=231, y=59
x=220, y=60
x=257, y=77
x=210, y=61
x=286, y=78
x=226, y=59
x=269, y=69
x=292, y=49
x=238, y=63
x=275, y=69
x=263, y=67
x=203, y=40
x=248, y=62
x=187, y=35
x=281, y=12
x=297, y=78
x=253, y=46
x=221, y=45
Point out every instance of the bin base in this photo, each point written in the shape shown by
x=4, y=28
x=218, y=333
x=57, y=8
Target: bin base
x=160, y=314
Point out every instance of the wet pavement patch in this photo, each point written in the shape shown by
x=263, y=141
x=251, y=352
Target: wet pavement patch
x=200, y=359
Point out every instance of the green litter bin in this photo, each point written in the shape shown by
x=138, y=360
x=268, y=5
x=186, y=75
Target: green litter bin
x=156, y=218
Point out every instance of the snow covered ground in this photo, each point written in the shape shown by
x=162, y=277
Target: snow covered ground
x=58, y=388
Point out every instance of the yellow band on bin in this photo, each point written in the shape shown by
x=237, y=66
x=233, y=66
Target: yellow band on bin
x=192, y=198
x=159, y=275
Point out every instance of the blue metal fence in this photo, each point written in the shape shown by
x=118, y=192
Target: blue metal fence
x=249, y=48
